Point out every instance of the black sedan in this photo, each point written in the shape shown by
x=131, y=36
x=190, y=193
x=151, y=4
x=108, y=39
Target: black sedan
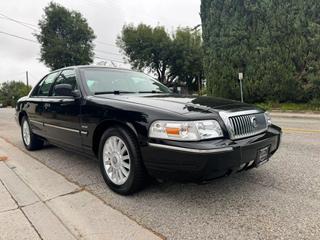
x=137, y=128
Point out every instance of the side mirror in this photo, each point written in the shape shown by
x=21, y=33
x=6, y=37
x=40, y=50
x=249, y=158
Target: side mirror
x=65, y=90
x=76, y=93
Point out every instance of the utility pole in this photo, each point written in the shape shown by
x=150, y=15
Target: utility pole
x=241, y=90
x=27, y=78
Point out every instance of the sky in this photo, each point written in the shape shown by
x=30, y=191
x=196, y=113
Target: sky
x=105, y=17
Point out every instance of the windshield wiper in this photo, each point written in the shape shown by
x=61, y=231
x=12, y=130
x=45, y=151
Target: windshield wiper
x=117, y=92
x=153, y=91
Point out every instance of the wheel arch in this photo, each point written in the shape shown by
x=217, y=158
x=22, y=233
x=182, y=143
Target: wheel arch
x=103, y=126
x=21, y=115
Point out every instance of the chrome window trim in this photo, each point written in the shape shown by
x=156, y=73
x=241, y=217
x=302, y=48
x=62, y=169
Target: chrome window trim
x=192, y=150
x=35, y=99
x=226, y=115
x=51, y=99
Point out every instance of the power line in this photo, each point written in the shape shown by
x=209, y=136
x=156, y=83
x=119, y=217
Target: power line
x=109, y=57
x=30, y=40
x=16, y=36
x=25, y=24
x=102, y=58
x=30, y=24
x=36, y=28
x=111, y=53
x=108, y=44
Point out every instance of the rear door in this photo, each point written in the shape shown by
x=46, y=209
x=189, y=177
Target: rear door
x=62, y=121
x=35, y=106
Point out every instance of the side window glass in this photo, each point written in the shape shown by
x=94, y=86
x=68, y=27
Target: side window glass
x=36, y=89
x=66, y=77
x=45, y=85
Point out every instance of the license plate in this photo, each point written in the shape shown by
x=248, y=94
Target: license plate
x=262, y=156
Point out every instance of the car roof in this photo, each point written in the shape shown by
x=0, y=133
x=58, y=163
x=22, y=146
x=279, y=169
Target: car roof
x=93, y=66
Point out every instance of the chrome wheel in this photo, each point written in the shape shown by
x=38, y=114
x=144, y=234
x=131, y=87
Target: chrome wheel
x=116, y=160
x=26, y=132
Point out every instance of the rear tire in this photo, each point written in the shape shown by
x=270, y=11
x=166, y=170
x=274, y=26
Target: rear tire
x=30, y=140
x=120, y=161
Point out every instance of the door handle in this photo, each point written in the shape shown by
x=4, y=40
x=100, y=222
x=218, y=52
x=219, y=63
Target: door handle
x=66, y=100
x=47, y=105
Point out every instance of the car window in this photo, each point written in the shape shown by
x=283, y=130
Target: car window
x=66, y=77
x=104, y=80
x=45, y=84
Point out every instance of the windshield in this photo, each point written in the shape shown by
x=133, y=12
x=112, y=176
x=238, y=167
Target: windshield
x=104, y=81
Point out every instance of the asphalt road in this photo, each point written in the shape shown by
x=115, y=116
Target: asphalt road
x=280, y=200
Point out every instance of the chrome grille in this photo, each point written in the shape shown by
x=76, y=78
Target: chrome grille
x=244, y=124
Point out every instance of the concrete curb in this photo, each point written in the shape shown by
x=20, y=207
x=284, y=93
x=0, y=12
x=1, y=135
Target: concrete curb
x=3, y=156
x=70, y=212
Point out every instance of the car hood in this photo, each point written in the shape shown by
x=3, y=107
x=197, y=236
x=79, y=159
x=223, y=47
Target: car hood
x=182, y=104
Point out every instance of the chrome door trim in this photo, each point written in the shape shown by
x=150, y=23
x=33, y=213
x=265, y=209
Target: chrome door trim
x=36, y=122
x=62, y=128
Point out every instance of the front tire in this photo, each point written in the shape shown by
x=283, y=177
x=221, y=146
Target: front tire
x=120, y=161
x=30, y=140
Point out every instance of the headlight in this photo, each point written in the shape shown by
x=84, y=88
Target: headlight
x=185, y=131
x=268, y=118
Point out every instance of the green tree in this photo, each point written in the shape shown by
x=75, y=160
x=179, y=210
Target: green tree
x=65, y=38
x=147, y=48
x=186, y=62
x=174, y=58
x=274, y=42
x=11, y=91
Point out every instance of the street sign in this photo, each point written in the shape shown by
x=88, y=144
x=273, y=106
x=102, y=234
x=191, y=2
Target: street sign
x=240, y=76
x=241, y=90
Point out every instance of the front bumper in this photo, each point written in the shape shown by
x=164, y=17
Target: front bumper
x=206, y=160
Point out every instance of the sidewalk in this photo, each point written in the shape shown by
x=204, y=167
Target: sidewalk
x=38, y=203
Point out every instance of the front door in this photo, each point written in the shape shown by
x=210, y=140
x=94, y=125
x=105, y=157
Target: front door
x=62, y=123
